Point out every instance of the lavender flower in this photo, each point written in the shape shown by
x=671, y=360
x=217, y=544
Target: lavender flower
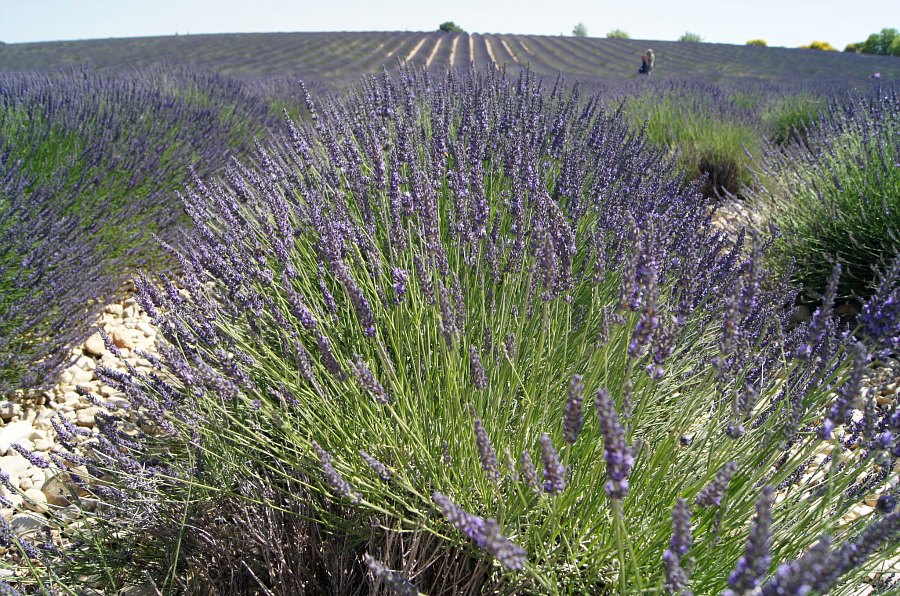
x=489, y=462
x=36, y=460
x=379, y=468
x=681, y=528
x=615, y=450
x=485, y=534
x=676, y=577
x=367, y=380
x=393, y=582
x=554, y=472
x=573, y=416
x=341, y=487
x=753, y=566
x=801, y=575
x=479, y=379
x=711, y=494
x=328, y=359
x=528, y=472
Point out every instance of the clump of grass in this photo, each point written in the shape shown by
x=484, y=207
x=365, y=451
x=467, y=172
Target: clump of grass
x=835, y=195
x=481, y=338
x=788, y=118
x=714, y=139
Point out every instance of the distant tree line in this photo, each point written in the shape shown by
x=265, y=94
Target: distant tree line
x=884, y=43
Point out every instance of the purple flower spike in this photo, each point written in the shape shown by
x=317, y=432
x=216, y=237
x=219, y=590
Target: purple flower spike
x=485, y=534
x=367, y=380
x=36, y=460
x=573, y=417
x=676, y=577
x=681, y=528
x=554, y=472
x=338, y=484
x=619, y=459
x=479, y=378
x=528, y=472
x=486, y=452
x=379, y=468
x=753, y=566
x=711, y=494
x=395, y=583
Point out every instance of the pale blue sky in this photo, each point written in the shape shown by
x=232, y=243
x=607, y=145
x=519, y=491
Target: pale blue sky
x=780, y=22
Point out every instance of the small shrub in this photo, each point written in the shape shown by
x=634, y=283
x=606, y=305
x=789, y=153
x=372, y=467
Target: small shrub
x=618, y=34
x=819, y=45
x=788, y=118
x=854, y=47
x=450, y=27
x=713, y=139
x=757, y=42
x=580, y=30
x=690, y=37
x=837, y=195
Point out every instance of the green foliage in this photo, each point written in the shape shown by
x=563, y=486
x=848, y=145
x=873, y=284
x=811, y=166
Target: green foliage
x=854, y=48
x=580, y=30
x=757, y=42
x=837, y=196
x=819, y=45
x=690, y=37
x=708, y=141
x=895, y=46
x=786, y=119
x=880, y=43
x=618, y=34
x=450, y=27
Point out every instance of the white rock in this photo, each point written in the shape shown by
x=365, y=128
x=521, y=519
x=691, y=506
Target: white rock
x=85, y=417
x=38, y=500
x=26, y=483
x=94, y=345
x=86, y=363
x=9, y=409
x=114, y=309
x=147, y=329
x=80, y=376
x=56, y=491
x=14, y=464
x=43, y=445
x=12, y=432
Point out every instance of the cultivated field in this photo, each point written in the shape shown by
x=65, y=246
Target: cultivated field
x=439, y=320
x=342, y=58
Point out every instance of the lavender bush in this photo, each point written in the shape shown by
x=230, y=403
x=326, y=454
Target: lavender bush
x=835, y=194
x=88, y=163
x=384, y=332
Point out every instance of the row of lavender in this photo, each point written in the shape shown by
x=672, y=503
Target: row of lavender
x=467, y=335
x=88, y=167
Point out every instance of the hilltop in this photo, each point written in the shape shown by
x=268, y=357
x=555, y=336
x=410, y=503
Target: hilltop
x=340, y=58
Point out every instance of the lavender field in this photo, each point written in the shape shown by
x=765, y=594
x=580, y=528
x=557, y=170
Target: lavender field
x=456, y=314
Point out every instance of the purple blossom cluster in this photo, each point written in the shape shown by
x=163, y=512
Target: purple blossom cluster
x=485, y=533
x=89, y=163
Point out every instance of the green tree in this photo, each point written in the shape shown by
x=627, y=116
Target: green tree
x=895, y=46
x=880, y=43
x=450, y=27
x=580, y=30
x=618, y=34
x=853, y=47
x=691, y=37
x=757, y=42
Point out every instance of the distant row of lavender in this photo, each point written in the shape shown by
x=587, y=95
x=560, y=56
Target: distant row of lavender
x=476, y=335
x=88, y=166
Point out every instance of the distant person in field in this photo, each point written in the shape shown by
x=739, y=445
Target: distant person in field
x=647, y=62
